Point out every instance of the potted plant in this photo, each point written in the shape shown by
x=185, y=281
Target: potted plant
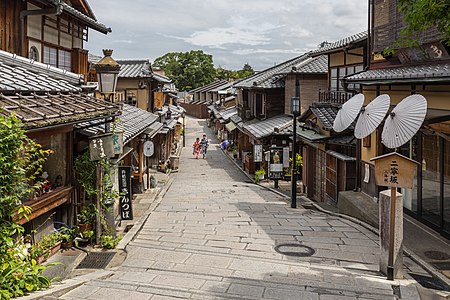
x=259, y=174
x=68, y=236
x=47, y=246
x=86, y=217
x=85, y=238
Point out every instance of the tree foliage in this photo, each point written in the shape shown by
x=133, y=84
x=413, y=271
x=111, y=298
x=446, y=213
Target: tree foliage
x=190, y=70
x=421, y=15
x=20, y=161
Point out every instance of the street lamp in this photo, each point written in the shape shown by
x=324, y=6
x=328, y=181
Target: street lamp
x=183, y=115
x=295, y=110
x=107, y=72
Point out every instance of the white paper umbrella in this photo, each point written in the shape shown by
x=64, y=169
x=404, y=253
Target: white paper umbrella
x=372, y=115
x=404, y=121
x=348, y=113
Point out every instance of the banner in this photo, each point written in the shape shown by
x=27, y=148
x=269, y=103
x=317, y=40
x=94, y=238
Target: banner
x=276, y=163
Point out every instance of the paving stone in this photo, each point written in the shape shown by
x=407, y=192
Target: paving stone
x=282, y=294
x=209, y=260
x=116, y=294
x=178, y=281
x=250, y=291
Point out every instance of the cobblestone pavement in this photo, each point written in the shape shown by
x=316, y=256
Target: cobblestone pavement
x=214, y=234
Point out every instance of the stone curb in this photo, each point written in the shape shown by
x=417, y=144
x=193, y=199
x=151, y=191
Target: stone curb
x=429, y=268
x=58, y=290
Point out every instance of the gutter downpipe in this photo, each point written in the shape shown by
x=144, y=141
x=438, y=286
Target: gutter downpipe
x=57, y=10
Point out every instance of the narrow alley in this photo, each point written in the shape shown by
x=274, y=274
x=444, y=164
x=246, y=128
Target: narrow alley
x=215, y=235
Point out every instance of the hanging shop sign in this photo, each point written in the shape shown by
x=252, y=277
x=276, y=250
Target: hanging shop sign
x=125, y=204
x=149, y=148
x=276, y=163
x=257, y=153
x=101, y=146
x=118, y=142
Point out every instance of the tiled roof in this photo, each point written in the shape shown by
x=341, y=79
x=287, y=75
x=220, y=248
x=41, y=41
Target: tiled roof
x=92, y=23
x=236, y=119
x=37, y=111
x=312, y=65
x=209, y=87
x=264, y=128
x=161, y=78
x=25, y=70
x=226, y=114
x=422, y=73
x=134, y=68
x=325, y=112
x=341, y=44
x=134, y=121
x=270, y=78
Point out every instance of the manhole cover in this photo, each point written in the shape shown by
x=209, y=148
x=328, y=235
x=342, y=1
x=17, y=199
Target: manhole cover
x=96, y=260
x=223, y=192
x=437, y=255
x=430, y=282
x=295, y=250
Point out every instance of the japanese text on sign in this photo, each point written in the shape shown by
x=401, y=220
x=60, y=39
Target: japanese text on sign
x=126, y=210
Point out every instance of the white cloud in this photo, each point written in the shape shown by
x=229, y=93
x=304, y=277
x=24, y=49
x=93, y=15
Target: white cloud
x=235, y=32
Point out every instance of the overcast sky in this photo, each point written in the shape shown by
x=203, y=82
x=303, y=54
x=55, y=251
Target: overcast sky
x=259, y=32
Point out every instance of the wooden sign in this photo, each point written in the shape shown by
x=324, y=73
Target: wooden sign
x=101, y=146
x=118, y=142
x=125, y=203
x=257, y=153
x=394, y=170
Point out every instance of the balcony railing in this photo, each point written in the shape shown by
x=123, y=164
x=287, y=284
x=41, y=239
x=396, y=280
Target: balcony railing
x=334, y=97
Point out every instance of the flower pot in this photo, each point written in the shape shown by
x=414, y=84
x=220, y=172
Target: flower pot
x=84, y=227
x=55, y=248
x=67, y=245
x=40, y=259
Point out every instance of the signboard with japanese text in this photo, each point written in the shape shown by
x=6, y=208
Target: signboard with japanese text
x=394, y=170
x=276, y=163
x=101, y=146
x=118, y=142
x=125, y=204
x=285, y=157
x=258, y=153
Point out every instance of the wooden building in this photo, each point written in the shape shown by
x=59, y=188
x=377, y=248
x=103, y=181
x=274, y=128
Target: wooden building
x=423, y=69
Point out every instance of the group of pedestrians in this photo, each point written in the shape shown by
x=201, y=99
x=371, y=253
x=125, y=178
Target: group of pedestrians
x=200, y=147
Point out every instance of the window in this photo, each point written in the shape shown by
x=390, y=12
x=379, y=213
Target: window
x=50, y=56
x=64, y=60
x=57, y=58
x=33, y=54
x=337, y=73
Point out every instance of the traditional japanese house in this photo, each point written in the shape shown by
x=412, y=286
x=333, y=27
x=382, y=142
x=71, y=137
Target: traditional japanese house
x=330, y=158
x=263, y=101
x=51, y=32
x=50, y=102
x=423, y=69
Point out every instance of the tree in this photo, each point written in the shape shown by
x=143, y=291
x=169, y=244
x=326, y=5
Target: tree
x=421, y=15
x=188, y=70
x=20, y=161
x=230, y=75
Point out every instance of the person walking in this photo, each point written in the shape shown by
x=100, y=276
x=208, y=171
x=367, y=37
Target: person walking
x=204, y=144
x=196, y=148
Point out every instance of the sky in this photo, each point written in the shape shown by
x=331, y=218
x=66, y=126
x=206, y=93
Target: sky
x=261, y=33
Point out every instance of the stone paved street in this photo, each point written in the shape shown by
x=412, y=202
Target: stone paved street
x=213, y=237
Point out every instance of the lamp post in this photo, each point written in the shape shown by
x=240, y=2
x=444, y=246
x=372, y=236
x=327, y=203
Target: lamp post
x=295, y=110
x=107, y=73
x=183, y=115
x=107, y=70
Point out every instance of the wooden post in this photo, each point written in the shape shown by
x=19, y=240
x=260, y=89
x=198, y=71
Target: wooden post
x=98, y=184
x=390, y=267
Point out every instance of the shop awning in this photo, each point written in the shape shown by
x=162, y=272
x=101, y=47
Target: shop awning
x=153, y=129
x=230, y=126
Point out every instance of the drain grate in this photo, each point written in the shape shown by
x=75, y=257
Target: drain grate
x=436, y=255
x=430, y=282
x=295, y=250
x=96, y=260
